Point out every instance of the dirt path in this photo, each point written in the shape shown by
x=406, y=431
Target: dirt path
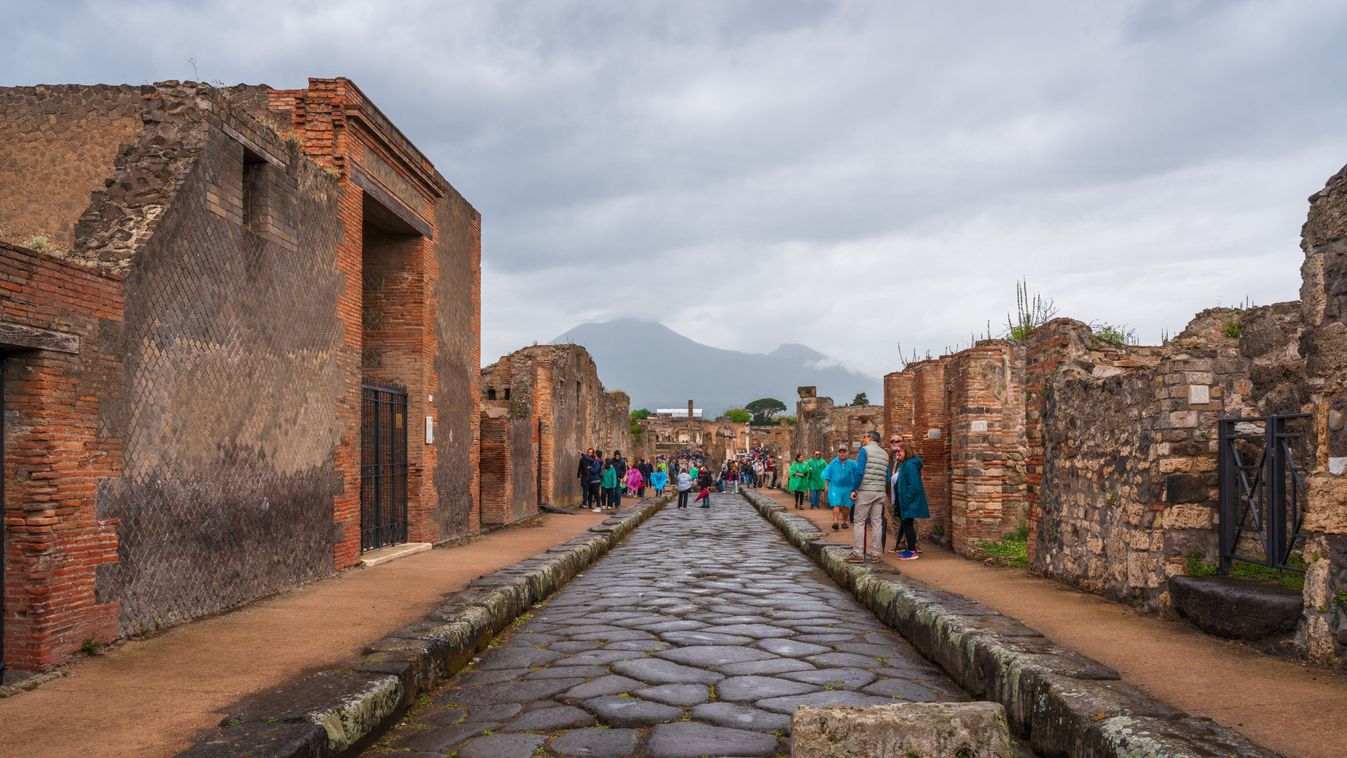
x=1294, y=709
x=150, y=697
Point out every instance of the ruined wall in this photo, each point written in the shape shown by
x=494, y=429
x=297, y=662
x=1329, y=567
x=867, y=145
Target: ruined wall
x=1323, y=296
x=61, y=441
x=553, y=407
x=57, y=146
x=1129, y=485
x=986, y=443
x=231, y=339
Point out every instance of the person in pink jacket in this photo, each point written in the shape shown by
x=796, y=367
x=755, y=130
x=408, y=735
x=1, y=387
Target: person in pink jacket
x=634, y=480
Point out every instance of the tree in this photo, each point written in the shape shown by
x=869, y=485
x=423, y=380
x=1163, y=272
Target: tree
x=739, y=415
x=764, y=408
x=860, y=399
x=637, y=416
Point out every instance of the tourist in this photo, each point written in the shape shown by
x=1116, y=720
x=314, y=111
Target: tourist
x=908, y=496
x=771, y=472
x=816, y=466
x=872, y=465
x=611, y=493
x=839, y=478
x=658, y=479
x=596, y=468
x=684, y=485
x=582, y=473
x=693, y=471
x=636, y=482
x=798, y=480
x=732, y=477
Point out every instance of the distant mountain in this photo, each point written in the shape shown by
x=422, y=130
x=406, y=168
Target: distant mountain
x=661, y=368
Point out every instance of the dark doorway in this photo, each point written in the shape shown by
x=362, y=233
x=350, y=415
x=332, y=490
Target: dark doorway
x=383, y=465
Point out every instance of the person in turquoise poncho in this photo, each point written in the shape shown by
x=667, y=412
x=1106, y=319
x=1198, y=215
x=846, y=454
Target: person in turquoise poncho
x=840, y=477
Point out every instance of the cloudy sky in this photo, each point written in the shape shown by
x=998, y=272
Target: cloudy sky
x=849, y=175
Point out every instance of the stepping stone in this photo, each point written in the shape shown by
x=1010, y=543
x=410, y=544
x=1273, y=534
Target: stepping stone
x=503, y=746
x=768, y=667
x=676, y=694
x=660, y=671
x=819, y=699
x=704, y=638
x=597, y=743
x=844, y=679
x=690, y=739
x=711, y=656
x=844, y=660
x=615, y=710
x=752, y=688
x=550, y=718
x=510, y=657
x=741, y=717
x=791, y=648
x=605, y=685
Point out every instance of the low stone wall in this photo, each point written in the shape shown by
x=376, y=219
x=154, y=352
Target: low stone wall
x=1065, y=703
x=337, y=711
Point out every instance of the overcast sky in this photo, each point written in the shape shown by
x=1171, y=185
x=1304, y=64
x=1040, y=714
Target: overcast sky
x=849, y=175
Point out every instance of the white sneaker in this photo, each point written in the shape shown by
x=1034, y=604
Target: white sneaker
x=597, y=510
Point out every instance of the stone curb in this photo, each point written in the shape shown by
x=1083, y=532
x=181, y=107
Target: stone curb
x=1067, y=704
x=338, y=711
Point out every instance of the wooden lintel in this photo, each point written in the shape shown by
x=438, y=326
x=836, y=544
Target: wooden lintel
x=18, y=335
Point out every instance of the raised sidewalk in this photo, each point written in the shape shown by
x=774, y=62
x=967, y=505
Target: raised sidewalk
x=1286, y=706
x=150, y=697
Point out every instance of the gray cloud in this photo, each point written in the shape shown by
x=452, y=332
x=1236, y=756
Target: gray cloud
x=756, y=172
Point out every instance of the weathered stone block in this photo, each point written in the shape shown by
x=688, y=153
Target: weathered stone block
x=976, y=730
x=1188, y=737
x=283, y=740
x=1187, y=488
x=1065, y=708
x=1234, y=608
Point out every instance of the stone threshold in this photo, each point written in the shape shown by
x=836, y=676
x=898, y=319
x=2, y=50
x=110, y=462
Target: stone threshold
x=339, y=711
x=392, y=553
x=1064, y=703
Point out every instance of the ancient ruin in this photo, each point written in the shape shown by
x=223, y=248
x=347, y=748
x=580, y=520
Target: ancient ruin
x=241, y=331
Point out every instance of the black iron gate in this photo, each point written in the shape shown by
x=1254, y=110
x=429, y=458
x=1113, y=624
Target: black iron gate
x=1262, y=489
x=383, y=465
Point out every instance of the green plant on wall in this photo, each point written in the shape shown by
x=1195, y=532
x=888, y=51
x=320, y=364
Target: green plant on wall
x=1031, y=312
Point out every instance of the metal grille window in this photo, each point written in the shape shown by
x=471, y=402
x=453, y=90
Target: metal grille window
x=1262, y=489
x=383, y=465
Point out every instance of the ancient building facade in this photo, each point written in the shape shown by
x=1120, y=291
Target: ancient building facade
x=821, y=425
x=200, y=323
x=541, y=407
x=716, y=439
x=1110, y=453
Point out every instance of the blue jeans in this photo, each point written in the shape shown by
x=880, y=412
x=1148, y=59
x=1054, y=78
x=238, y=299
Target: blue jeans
x=814, y=495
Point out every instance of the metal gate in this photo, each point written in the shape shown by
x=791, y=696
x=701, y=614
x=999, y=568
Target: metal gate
x=1262, y=488
x=383, y=465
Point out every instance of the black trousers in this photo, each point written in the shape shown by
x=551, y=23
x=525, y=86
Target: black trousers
x=683, y=498
x=799, y=498
x=907, y=531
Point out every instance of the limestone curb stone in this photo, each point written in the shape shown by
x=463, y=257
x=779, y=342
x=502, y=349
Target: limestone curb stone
x=975, y=730
x=1067, y=704
x=336, y=711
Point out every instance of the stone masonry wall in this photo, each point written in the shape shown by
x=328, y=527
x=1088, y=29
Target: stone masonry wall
x=57, y=145
x=1323, y=298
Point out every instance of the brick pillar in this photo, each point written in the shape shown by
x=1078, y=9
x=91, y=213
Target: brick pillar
x=930, y=437
x=496, y=469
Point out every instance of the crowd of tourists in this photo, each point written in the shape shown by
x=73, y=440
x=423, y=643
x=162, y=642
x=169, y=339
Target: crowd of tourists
x=857, y=491
x=861, y=492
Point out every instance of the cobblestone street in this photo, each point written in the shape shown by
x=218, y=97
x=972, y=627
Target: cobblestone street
x=699, y=635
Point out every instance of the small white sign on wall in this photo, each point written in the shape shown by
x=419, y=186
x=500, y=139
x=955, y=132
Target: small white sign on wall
x=932, y=434
x=1199, y=394
x=978, y=426
x=430, y=430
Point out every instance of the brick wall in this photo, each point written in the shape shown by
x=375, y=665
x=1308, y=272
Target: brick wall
x=59, y=445
x=57, y=145
x=987, y=443
x=930, y=437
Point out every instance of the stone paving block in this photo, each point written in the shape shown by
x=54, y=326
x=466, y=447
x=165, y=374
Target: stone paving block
x=262, y=740
x=689, y=740
x=550, y=718
x=660, y=671
x=616, y=710
x=503, y=746
x=681, y=695
x=597, y=743
x=970, y=730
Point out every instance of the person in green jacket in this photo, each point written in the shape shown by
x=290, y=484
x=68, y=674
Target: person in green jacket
x=815, y=468
x=610, y=483
x=797, y=479
x=908, y=497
